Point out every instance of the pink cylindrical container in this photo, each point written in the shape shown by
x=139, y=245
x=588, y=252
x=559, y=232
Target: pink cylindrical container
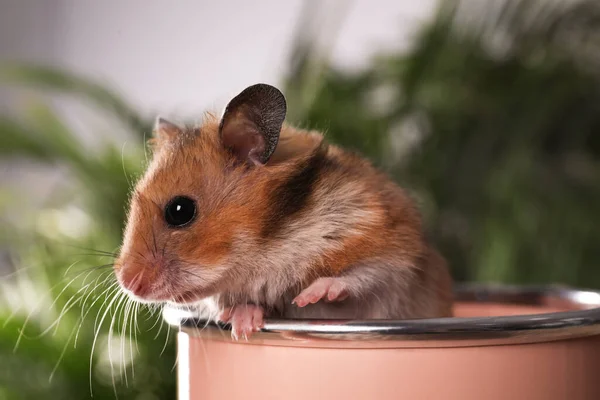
x=503, y=343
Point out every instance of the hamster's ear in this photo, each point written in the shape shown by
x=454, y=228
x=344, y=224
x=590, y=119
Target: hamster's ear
x=165, y=130
x=252, y=122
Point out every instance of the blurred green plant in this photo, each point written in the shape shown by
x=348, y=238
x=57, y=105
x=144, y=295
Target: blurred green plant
x=491, y=119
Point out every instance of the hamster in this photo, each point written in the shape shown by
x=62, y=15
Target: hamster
x=259, y=219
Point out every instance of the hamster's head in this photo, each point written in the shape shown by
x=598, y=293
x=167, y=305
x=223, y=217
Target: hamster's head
x=200, y=200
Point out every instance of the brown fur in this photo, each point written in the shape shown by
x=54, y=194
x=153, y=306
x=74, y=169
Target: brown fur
x=264, y=233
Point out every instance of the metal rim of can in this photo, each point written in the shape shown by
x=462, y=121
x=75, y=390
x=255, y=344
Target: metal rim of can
x=582, y=321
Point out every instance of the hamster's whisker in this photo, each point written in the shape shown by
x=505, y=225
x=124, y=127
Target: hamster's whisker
x=89, y=269
x=176, y=361
x=70, y=303
x=136, y=326
x=118, y=316
x=154, y=240
x=192, y=273
x=113, y=287
x=145, y=242
x=79, y=297
x=110, y=337
x=97, y=332
x=41, y=300
x=95, y=251
x=131, y=328
x=171, y=294
x=123, y=317
x=139, y=256
x=62, y=354
x=166, y=340
x=95, y=255
x=108, y=293
x=160, y=326
x=201, y=341
x=96, y=286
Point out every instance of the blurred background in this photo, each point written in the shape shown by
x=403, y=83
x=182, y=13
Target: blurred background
x=488, y=111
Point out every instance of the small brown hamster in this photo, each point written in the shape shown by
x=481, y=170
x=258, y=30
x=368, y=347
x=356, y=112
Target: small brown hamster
x=251, y=218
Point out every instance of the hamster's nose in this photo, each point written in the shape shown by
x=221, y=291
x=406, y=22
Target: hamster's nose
x=133, y=280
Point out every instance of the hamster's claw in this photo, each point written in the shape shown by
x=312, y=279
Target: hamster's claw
x=328, y=289
x=244, y=319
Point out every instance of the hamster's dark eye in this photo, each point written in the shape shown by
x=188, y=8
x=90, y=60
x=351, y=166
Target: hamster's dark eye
x=180, y=211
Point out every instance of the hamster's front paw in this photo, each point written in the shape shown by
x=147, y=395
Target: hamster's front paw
x=244, y=319
x=328, y=289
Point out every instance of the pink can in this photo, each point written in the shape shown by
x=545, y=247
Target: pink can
x=504, y=343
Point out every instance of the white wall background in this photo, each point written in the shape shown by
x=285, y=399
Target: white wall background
x=186, y=55
x=181, y=57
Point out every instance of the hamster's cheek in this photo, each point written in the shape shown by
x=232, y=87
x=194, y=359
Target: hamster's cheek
x=188, y=282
